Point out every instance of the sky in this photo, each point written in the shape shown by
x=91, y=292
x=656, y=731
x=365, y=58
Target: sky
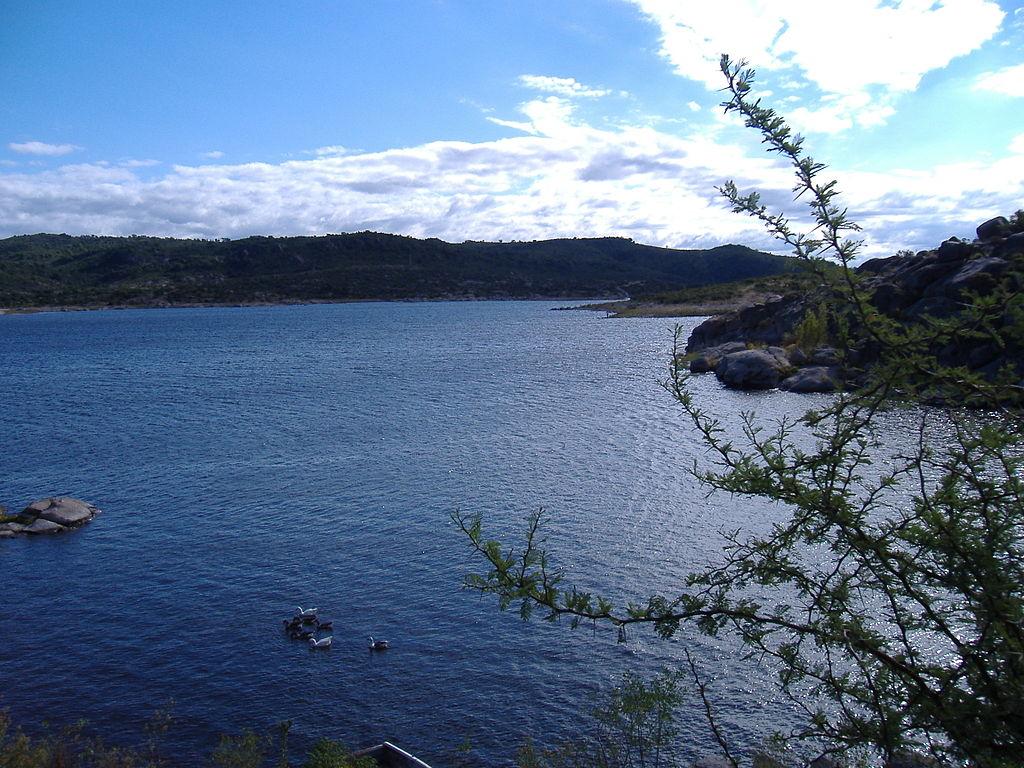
x=502, y=119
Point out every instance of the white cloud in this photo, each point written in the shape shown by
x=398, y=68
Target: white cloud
x=1017, y=144
x=42, y=148
x=567, y=87
x=864, y=53
x=1008, y=81
x=214, y=154
x=333, y=150
x=131, y=163
x=560, y=177
x=694, y=106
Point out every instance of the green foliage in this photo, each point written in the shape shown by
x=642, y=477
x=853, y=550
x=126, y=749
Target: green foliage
x=633, y=728
x=246, y=750
x=812, y=331
x=60, y=270
x=330, y=754
x=70, y=747
x=890, y=597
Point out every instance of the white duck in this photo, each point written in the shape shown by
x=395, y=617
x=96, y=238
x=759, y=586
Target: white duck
x=323, y=642
x=302, y=613
x=379, y=645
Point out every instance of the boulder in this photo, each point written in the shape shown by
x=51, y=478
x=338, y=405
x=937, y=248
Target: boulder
x=890, y=298
x=796, y=355
x=825, y=356
x=752, y=369
x=53, y=514
x=978, y=275
x=910, y=760
x=1014, y=244
x=764, y=760
x=713, y=761
x=707, y=360
x=953, y=249
x=768, y=322
x=996, y=227
x=876, y=265
x=817, y=378
x=63, y=510
x=43, y=526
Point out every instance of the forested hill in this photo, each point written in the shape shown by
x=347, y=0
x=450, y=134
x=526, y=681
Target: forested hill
x=64, y=270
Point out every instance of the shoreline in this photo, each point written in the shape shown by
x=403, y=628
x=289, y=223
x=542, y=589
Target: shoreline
x=31, y=310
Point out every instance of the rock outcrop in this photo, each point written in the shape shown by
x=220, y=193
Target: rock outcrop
x=753, y=368
x=906, y=287
x=55, y=514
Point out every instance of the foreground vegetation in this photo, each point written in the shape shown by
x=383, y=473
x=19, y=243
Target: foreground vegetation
x=888, y=598
x=72, y=747
x=61, y=270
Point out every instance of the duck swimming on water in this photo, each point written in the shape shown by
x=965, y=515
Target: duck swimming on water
x=379, y=645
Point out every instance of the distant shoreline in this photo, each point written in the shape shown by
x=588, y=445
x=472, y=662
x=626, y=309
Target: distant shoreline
x=32, y=310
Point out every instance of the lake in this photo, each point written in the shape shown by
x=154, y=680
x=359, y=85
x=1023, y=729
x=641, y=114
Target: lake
x=249, y=460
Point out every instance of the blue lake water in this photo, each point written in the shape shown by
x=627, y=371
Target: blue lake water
x=250, y=460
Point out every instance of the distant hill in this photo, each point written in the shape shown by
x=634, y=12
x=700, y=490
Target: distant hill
x=64, y=270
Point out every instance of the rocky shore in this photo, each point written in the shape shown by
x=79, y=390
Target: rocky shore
x=54, y=514
x=758, y=346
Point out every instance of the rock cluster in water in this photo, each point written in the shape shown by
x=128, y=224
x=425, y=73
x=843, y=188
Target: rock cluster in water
x=55, y=514
x=750, y=348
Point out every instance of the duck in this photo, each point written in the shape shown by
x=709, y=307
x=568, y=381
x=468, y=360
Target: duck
x=324, y=624
x=300, y=634
x=301, y=612
x=379, y=645
x=323, y=642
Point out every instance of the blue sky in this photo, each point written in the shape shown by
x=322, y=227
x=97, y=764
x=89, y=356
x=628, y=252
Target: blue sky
x=466, y=119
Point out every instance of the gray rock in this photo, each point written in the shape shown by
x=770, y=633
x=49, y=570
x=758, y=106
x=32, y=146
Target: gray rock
x=752, y=369
x=37, y=506
x=933, y=306
x=978, y=275
x=796, y=355
x=780, y=354
x=768, y=322
x=764, y=760
x=877, y=265
x=7, y=534
x=825, y=356
x=12, y=527
x=930, y=270
x=910, y=760
x=953, y=249
x=713, y=761
x=993, y=228
x=707, y=360
x=890, y=298
x=66, y=511
x=814, y=379
x=1012, y=245
x=44, y=526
